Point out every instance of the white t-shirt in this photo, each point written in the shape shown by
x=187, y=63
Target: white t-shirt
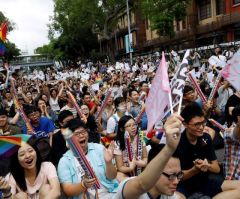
x=111, y=123
x=144, y=67
x=73, y=110
x=119, y=194
x=54, y=104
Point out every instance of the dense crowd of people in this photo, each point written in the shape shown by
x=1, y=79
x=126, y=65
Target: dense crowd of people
x=178, y=161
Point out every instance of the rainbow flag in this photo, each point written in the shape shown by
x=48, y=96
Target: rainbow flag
x=2, y=48
x=3, y=31
x=10, y=144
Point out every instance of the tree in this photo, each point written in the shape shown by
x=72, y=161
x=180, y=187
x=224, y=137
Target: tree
x=80, y=22
x=162, y=13
x=51, y=50
x=11, y=49
x=73, y=21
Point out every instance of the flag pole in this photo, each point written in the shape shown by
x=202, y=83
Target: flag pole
x=170, y=101
x=180, y=105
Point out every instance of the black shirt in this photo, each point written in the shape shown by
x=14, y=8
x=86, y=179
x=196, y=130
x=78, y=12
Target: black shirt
x=93, y=135
x=233, y=101
x=58, y=147
x=188, y=152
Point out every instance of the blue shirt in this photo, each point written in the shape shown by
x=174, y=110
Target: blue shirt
x=43, y=129
x=69, y=171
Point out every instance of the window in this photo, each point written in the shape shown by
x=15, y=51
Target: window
x=204, y=9
x=236, y=2
x=237, y=31
x=184, y=24
x=237, y=34
x=178, y=25
x=146, y=23
x=219, y=7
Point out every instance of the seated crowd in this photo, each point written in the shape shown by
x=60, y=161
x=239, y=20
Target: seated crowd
x=178, y=161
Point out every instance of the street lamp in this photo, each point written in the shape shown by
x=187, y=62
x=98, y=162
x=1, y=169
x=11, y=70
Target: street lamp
x=129, y=32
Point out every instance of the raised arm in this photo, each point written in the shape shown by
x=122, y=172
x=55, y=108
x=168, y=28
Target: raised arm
x=146, y=180
x=60, y=91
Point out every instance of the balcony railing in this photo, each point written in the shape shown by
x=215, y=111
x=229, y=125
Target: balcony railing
x=220, y=22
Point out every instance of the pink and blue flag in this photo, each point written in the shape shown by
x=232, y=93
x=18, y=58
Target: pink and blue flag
x=231, y=72
x=158, y=98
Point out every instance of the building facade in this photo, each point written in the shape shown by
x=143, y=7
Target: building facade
x=207, y=22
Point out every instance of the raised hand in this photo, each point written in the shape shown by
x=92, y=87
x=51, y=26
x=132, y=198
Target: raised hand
x=172, y=130
x=21, y=195
x=108, y=153
x=4, y=186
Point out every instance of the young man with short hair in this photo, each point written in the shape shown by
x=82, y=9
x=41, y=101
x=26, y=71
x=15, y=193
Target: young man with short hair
x=198, y=159
x=42, y=126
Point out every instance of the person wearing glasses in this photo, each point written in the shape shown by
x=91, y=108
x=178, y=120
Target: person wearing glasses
x=125, y=166
x=43, y=126
x=172, y=174
x=74, y=183
x=162, y=174
x=198, y=159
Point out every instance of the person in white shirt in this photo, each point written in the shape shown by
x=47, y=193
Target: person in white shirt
x=112, y=123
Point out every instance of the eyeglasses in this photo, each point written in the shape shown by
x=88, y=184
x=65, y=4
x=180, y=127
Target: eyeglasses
x=131, y=125
x=199, y=124
x=173, y=176
x=81, y=132
x=33, y=114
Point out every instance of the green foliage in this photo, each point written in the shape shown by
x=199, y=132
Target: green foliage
x=162, y=13
x=73, y=21
x=11, y=49
x=78, y=22
x=10, y=24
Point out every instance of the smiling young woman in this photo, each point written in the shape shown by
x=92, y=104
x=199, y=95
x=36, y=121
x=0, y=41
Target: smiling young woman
x=29, y=177
x=125, y=165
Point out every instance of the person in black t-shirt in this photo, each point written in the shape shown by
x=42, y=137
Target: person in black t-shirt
x=58, y=141
x=232, y=102
x=198, y=159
